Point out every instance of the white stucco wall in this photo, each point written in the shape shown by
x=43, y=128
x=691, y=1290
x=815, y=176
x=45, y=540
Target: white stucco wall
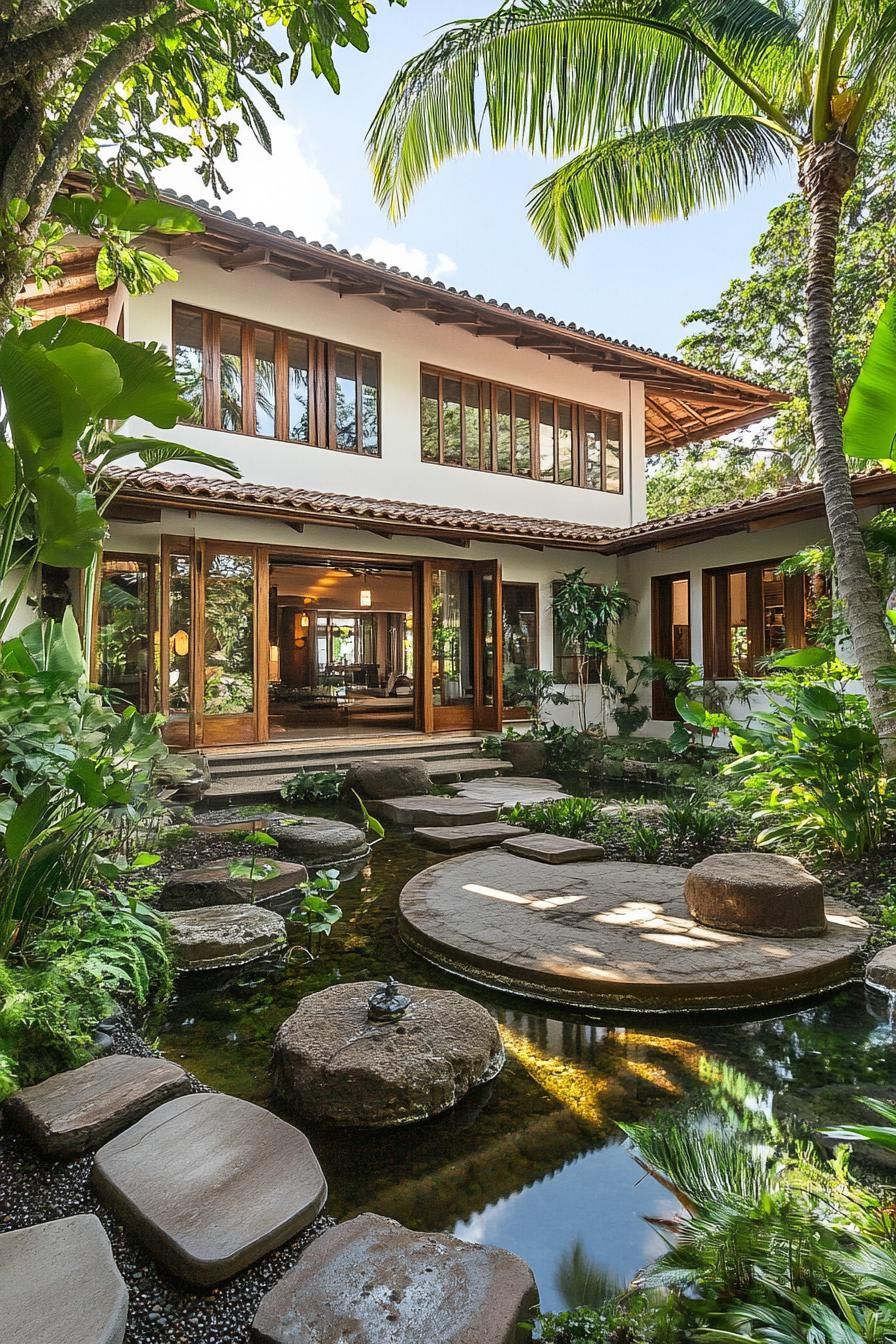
x=404, y=340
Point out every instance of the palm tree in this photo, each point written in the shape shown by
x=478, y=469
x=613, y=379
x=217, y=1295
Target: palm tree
x=659, y=108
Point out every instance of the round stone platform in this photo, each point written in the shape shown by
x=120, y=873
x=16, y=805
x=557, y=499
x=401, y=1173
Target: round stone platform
x=609, y=935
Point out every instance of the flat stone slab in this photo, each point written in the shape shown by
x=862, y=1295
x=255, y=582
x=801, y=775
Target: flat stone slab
x=339, y=1068
x=81, y=1108
x=517, y=790
x=246, y=818
x=318, y=842
x=59, y=1285
x=423, y=810
x=767, y=894
x=880, y=973
x=215, y=936
x=210, y=1184
x=553, y=849
x=191, y=888
x=609, y=935
x=372, y=1281
x=454, y=839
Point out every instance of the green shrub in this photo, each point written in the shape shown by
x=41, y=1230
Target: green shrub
x=312, y=786
x=572, y=817
x=645, y=843
x=693, y=826
x=631, y=1318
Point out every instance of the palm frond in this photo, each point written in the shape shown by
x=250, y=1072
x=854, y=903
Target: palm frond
x=652, y=176
x=556, y=75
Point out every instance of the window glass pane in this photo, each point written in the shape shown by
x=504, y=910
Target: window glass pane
x=451, y=419
x=297, y=360
x=564, y=443
x=188, y=358
x=520, y=637
x=123, y=632
x=452, y=637
x=370, y=405
x=346, y=400
x=522, y=412
x=773, y=625
x=591, y=425
x=681, y=621
x=503, y=428
x=229, y=638
x=546, y=447
x=231, y=374
x=471, y=424
x=179, y=635
x=738, y=635
x=264, y=382
x=614, y=454
x=429, y=417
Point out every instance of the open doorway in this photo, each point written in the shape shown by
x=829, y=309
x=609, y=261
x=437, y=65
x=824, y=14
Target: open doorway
x=341, y=648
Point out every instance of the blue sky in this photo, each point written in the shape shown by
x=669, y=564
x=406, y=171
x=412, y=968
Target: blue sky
x=468, y=225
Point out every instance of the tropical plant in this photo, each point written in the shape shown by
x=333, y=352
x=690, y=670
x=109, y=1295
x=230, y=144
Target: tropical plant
x=532, y=689
x=869, y=425
x=158, y=80
x=255, y=869
x=665, y=110
x=584, y=613
x=881, y=1136
x=572, y=817
x=312, y=786
x=316, y=912
x=645, y=843
x=692, y=825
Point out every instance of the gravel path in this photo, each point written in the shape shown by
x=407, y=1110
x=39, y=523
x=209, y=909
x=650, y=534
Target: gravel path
x=34, y=1189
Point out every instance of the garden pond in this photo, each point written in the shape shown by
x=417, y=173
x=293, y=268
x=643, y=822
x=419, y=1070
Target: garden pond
x=533, y=1162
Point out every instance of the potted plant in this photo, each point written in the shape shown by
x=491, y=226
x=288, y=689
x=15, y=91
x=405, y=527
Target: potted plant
x=532, y=688
x=584, y=613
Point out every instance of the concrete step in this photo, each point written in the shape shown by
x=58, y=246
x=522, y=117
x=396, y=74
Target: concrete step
x=229, y=787
x=333, y=754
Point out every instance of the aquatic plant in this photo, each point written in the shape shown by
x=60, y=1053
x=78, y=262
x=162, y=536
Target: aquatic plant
x=315, y=912
x=645, y=843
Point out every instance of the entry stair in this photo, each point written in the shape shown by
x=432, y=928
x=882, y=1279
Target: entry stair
x=250, y=774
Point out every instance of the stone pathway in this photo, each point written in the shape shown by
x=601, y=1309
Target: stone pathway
x=510, y=792
x=372, y=1281
x=424, y=810
x=553, y=849
x=609, y=935
x=59, y=1285
x=339, y=1068
x=80, y=1109
x=192, y=888
x=454, y=839
x=217, y=936
x=210, y=1184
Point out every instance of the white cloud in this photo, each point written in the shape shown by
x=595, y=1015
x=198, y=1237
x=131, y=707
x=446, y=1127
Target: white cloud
x=407, y=258
x=285, y=188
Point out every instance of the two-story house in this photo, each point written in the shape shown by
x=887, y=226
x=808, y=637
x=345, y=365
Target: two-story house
x=420, y=466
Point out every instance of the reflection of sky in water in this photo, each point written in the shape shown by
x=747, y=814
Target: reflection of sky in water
x=600, y=1199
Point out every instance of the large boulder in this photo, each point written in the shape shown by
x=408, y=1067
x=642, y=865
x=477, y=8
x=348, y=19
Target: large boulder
x=320, y=843
x=339, y=1068
x=210, y=1184
x=212, y=884
x=372, y=1281
x=766, y=894
x=385, y=778
x=216, y=936
x=59, y=1285
x=83, y=1107
x=880, y=973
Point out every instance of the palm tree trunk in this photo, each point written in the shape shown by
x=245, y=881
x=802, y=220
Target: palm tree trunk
x=826, y=172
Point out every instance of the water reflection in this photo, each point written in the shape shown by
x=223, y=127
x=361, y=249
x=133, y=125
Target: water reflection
x=535, y=1162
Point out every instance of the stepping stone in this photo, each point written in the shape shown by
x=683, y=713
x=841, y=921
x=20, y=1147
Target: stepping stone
x=320, y=843
x=766, y=894
x=241, y=818
x=190, y=888
x=82, y=1108
x=210, y=1184
x=510, y=792
x=553, y=849
x=453, y=839
x=426, y=811
x=59, y=1285
x=339, y=1068
x=372, y=1281
x=387, y=778
x=216, y=936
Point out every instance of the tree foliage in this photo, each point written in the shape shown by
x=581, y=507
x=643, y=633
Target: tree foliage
x=757, y=328
x=702, y=474
x=122, y=88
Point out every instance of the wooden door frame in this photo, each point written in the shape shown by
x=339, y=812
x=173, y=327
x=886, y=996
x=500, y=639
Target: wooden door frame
x=487, y=717
x=233, y=728
x=662, y=709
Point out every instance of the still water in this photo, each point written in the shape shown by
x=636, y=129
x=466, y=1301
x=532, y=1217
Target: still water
x=535, y=1162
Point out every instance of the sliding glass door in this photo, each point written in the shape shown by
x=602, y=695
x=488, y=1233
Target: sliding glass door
x=462, y=649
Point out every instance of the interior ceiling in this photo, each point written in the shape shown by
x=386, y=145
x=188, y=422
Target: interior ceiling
x=330, y=589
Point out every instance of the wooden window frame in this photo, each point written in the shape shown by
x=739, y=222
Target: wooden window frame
x=154, y=577
x=518, y=711
x=717, y=662
x=592, y=663
x=488, y=453
x=321, y=381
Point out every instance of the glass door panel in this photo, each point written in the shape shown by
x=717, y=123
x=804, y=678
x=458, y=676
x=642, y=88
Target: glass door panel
x=452, y=646
x=229, y=639
x=175, y=650
x=487, y=708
